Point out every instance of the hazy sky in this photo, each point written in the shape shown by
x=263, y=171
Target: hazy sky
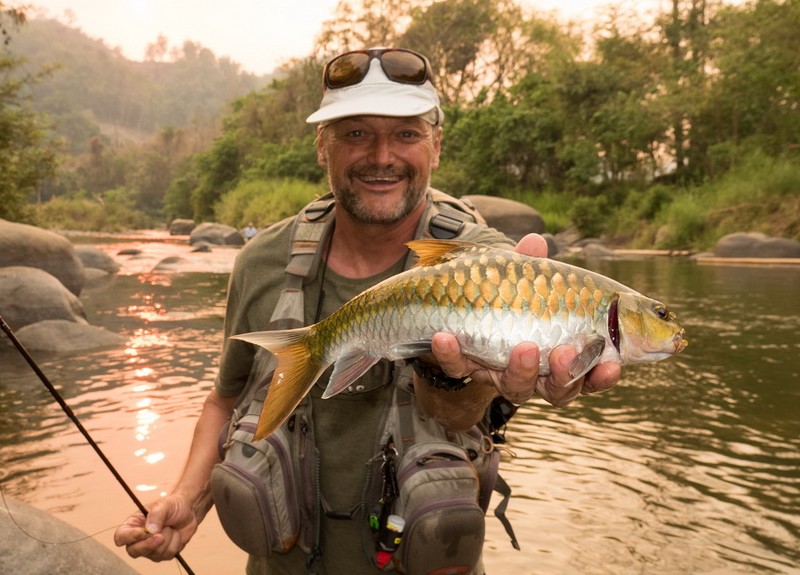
x=258, y=34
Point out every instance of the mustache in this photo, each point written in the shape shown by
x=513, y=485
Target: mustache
x=382, y=173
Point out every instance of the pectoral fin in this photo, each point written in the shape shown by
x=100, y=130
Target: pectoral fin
x=412, y=349
x=587, y=358
x=346, y=370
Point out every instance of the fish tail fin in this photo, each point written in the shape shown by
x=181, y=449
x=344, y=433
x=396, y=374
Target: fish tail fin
x=296, y=372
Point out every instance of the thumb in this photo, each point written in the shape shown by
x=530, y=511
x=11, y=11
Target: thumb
x=160, y=514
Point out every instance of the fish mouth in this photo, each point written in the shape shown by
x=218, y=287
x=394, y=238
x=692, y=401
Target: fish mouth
x=680, y=342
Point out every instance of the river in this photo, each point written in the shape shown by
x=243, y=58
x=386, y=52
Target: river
x=689, y=465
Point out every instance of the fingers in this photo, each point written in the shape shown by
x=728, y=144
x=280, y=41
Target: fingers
x=518, y=382
x=559, y=390
x=139, y=541
x=447, y=353
x=521, y=380
x=162, y=534
x=532, y=245
x=602, y=378
x=131, y=531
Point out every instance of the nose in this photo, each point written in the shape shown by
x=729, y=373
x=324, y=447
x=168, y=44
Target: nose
x=382, y=153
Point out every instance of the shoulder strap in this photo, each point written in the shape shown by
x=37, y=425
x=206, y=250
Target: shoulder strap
x=448, y=216
x=311, y=228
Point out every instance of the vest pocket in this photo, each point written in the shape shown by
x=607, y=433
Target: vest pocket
x=254, y=492
x=438, y=499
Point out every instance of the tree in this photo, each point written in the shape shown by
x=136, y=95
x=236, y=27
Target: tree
x=27, y=155
x=362, y=24
x=754, y=98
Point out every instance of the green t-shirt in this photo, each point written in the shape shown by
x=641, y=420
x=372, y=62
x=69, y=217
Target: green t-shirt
x=348, y=426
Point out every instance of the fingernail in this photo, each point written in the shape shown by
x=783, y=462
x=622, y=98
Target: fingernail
x=529, y=360
x=151, y=528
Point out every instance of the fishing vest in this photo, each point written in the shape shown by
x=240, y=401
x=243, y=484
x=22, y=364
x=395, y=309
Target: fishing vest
x=446, y=218
x=267, y=492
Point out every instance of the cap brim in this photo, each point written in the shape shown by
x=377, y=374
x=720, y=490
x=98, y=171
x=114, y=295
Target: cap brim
x=373, y=100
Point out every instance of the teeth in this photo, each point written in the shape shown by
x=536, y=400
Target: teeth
x=381, y=179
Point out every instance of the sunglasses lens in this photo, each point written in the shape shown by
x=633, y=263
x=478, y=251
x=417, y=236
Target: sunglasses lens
x=404, y=67
x=346, y=70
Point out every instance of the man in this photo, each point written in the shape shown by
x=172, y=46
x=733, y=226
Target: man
x=379, y=138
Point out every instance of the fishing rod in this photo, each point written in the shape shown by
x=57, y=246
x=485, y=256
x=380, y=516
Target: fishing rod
x=68, y=411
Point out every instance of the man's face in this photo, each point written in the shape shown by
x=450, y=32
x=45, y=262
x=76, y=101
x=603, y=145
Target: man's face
x=379, y=167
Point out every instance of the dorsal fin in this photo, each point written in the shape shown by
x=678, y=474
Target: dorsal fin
x=432, y=252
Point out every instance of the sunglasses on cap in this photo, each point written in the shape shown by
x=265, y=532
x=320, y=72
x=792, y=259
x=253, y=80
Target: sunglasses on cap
x=399, y=65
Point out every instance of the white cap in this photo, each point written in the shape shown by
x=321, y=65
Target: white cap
x=377, y=95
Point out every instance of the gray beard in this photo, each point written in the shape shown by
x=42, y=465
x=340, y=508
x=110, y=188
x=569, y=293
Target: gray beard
x=351, y=202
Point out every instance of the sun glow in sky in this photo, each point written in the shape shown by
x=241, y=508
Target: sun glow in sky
x=258, y=34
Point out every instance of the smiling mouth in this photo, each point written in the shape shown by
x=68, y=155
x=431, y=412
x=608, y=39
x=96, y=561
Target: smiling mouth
x=372, y=179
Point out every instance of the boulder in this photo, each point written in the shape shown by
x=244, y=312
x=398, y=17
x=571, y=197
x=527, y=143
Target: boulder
x=62, y=336
x=169, y=263
x=596, y=250
x=201, y=247
x=216, y=234
x=756, y=245
x=29, y=295
x=181, y=227
x=24, y=553
x=29, y=246
x=93, y=257
x=513, y=218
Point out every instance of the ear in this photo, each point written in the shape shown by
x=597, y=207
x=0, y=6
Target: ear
x=321, y=156
x=437, y=147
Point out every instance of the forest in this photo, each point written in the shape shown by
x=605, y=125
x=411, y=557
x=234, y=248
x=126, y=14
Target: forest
x=667, y=133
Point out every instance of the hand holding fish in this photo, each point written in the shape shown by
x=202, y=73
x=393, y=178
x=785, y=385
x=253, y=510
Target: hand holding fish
x=520, y=380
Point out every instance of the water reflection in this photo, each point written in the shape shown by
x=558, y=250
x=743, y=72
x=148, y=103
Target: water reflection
x=690, y=465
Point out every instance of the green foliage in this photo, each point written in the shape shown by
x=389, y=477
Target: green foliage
x=590, y=215
x=263, y=202
x=178, y=197
x=27, y=153
x=761, y=194
x=295, y=159
x=219, y=170
x=554, y=207
x=113, y=212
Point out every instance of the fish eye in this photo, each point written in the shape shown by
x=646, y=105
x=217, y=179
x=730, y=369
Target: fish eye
x=661, y=311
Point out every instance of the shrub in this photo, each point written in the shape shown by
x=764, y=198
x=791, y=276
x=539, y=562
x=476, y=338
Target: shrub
x=590, y=215
x=263, y=202
x=112, y=211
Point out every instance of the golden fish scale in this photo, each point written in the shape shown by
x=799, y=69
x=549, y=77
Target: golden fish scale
x=470, y=283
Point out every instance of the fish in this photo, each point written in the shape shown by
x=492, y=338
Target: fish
x=490, y=298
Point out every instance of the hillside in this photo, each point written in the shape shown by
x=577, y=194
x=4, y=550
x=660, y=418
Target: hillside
x=92, y=89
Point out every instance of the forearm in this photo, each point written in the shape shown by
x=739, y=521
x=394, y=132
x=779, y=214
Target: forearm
x=194, y=483
x=456, y=410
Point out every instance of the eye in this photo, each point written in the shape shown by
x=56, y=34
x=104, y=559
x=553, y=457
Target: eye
x=661, y=311
x=409, y=135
